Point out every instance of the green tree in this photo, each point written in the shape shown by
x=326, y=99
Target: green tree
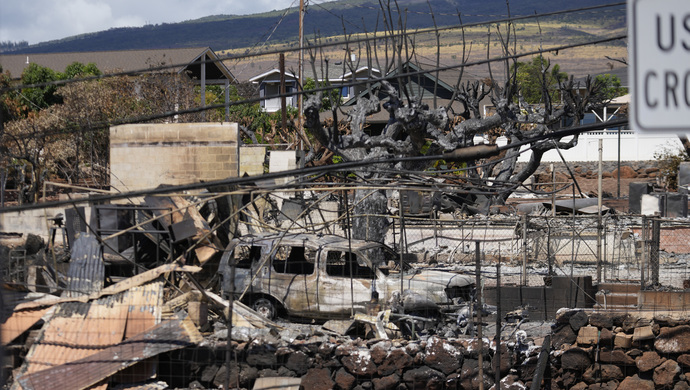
x=536, y=78
x=257, y=125
x=668, y=160
x=612, y=88
x=38, y=98
x=330, y=98
x=70, y=140
x=10, y=100
x=77, y=69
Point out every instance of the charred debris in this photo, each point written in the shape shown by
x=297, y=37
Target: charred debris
x=269, y=289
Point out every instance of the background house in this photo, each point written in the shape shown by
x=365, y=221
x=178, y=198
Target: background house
x=201, y=64
x=338, y=75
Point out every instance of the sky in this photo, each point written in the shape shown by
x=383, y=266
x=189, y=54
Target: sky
x=38, y=21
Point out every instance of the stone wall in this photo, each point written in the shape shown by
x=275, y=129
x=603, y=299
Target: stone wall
x=629, y=170
x=143, y=156
x=618, y=350
x=589, y=350
x=325, y=361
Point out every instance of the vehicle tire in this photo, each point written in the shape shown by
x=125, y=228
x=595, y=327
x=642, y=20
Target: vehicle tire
x=265, y=308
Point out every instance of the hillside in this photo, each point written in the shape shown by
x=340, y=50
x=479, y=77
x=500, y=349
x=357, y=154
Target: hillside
x=224, y=32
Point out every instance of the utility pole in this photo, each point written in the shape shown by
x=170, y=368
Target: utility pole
x=283, y=116
x=299, y=69
x=599, y=206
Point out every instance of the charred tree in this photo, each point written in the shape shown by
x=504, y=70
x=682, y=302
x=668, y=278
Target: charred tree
x=414, y=128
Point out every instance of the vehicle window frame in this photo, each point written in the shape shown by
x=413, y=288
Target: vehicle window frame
x=293, y=260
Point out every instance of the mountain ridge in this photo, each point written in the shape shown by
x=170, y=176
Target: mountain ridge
x=227, y=31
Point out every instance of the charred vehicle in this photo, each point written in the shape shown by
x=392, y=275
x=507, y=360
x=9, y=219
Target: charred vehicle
x=325, y=277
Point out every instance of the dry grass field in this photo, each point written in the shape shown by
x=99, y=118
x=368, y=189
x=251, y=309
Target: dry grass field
x=479, y=44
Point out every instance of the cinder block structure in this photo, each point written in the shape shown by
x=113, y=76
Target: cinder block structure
x=252, y=160
x=143, y=156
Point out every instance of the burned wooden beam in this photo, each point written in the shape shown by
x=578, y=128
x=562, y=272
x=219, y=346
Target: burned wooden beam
x=183, y=210
x=124, y=285
x=166, y=336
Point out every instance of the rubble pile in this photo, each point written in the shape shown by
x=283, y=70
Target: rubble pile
x=617, y=350
x=325, y=361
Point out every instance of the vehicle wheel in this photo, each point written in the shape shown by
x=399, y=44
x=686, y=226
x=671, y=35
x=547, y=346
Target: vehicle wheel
x=265, y=308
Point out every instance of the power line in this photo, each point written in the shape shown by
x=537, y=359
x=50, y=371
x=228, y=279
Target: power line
x=145, y=118
x=316, y=46
x=345, y=166
x=269, y=33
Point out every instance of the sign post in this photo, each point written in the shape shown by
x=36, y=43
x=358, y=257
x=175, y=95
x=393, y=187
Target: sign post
x=659, y=52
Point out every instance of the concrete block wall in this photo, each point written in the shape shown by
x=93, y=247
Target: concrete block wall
x=30, y=221
x=252, y=160
x=544, y=301
x=283, y=160
x=143, y=156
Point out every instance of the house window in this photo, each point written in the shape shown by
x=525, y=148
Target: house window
x=345, y=92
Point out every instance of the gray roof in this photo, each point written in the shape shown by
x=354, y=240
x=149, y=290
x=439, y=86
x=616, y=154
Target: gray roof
x=119, y=61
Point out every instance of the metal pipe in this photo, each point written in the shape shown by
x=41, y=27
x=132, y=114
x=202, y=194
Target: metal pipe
x=402, y=248
x=524, y=250
x=497, y=356
x=478, y=271
x=349, y=260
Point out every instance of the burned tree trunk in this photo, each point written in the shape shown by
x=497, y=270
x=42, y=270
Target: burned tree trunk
x=370, y=216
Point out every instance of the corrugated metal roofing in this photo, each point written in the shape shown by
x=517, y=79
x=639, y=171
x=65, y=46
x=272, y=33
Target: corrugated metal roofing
x=86, y=372
x=86, y=269
x=20, y=323
x=78, y=330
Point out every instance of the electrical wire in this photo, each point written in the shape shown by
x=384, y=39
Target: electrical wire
x=315, y=46
x=345, y=166
x=145, y=118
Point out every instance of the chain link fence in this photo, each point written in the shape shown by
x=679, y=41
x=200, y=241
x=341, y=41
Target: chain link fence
x=638, y=249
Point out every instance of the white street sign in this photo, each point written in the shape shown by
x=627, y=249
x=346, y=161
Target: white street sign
x=659, y=53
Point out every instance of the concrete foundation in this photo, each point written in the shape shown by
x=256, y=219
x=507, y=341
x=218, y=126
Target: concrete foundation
x=544, y=301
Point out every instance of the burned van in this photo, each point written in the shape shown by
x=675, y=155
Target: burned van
x=324, y=277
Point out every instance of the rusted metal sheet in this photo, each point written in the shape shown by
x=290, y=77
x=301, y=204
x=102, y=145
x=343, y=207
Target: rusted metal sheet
x=19, y=323
x=207, y=245
x=144, y=313
x=124, y=285
x=82, y=373
x=78, y=330
x=86, y=270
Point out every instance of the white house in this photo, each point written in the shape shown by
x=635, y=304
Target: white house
x=338, y=76
x=621, y=143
